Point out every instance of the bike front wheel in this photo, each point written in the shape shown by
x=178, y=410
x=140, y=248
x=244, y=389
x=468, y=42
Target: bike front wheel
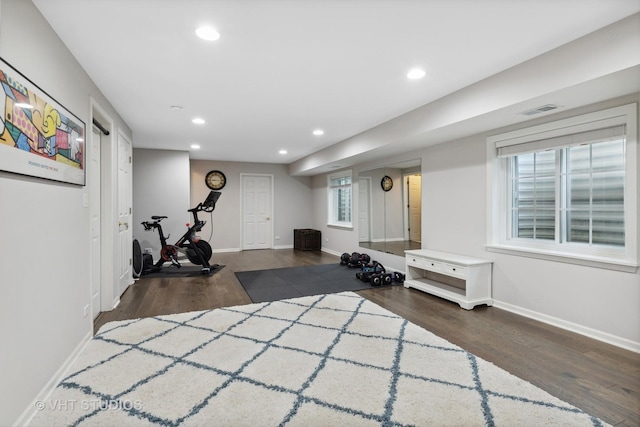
x=205, y=249
x=137, y=263
x=169, y=253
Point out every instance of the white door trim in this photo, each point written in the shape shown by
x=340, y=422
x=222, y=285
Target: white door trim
x=109, y=250
x=366, y=180
x=125, y=214
x=406, y=208
x=108, y=300
x=93, y=187
x=243, y=176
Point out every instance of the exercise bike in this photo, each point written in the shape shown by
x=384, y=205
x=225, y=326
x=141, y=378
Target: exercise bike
x=197, y=251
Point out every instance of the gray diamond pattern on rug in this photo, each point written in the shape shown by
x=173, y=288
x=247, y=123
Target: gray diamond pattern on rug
x=322, y=360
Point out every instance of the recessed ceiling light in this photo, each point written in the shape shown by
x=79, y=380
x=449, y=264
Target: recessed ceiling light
x=318, y=132
x=198, y=121
x=207, y=33
x=283, y=152
x=416, y=73
x=195, y=146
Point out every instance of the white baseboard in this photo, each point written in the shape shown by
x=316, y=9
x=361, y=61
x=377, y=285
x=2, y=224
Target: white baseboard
x=51, y=385
x=332, y=252
x=215, y=251
x=573, y=327
x=219, y=251
x=386, y=239
x=283, y=247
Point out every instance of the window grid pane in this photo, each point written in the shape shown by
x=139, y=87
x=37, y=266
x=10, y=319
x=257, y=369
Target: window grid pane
x=594, y=182
x=534, y=198
x=343, y=204
x=340, y=190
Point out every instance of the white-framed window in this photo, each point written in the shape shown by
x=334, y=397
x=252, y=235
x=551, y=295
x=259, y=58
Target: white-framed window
x=340, y=204
x=567, y=190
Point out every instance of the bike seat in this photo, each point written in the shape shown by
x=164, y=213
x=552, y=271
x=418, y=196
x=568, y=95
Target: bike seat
x=155, y=217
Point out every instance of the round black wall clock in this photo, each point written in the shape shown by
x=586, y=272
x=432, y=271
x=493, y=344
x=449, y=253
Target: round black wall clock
x=215, y=180
x=386, y=183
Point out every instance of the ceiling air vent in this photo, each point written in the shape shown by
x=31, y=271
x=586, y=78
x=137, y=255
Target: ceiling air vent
x=539, y=110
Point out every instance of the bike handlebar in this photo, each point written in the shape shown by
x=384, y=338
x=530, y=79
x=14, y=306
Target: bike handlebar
x=208, y=205
x=149, y=225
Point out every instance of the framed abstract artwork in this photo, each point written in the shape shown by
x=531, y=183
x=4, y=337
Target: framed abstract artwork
x=38, y=136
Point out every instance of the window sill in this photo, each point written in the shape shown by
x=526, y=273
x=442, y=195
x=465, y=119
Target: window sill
x=341, y=226
x=585, y=260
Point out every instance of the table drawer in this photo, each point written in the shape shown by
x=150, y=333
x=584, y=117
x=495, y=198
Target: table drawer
x=458, y=278
x=455, y=270
x=426, y=264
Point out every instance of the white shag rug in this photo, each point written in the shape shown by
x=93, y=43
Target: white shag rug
x=325, y=360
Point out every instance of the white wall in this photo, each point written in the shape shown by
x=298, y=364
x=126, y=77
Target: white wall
x=387, y=222
x=44, y=277
x=161, y=181
x=377, y=201
x=393, y=209
x=44, y=269
x=596, y=302
x=338, y=240
x=168, y=183
x=292, y=202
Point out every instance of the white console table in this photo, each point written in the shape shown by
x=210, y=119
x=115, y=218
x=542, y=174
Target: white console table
x=471, y=284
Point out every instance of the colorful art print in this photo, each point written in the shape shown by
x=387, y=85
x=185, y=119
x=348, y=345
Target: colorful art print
x=38, y=136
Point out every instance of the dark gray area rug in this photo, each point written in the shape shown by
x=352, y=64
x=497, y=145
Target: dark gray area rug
x=283, y=283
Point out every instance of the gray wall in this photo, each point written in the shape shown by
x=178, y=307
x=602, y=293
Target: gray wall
x=160, y=187
x=44, y=272
x=393, y=200
x=45, y=276
x=292, y=202
x=377, y=201
x=593, y=301
x=168, y=183
x=598, y=302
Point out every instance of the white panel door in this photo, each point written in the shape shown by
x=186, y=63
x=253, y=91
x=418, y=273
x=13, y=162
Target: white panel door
x=125, y=236
x=257, y=212
x=94, y=220
x=415, y=208
x=364, y=227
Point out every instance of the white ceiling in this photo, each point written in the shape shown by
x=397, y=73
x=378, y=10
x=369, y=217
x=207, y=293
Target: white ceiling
x=283, y=68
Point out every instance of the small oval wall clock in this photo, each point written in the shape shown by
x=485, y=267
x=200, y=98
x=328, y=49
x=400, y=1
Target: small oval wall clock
x=386, y=183
x=215, y=180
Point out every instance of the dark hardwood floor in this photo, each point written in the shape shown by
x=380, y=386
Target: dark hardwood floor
x=599, y=378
